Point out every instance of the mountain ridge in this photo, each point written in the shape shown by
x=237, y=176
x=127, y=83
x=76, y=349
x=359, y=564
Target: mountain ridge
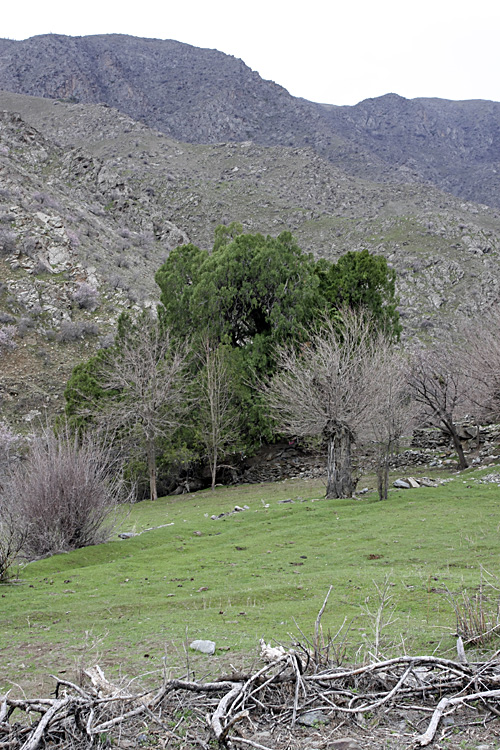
x=205, y=96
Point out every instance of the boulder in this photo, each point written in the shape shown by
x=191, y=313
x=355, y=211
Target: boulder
x=402, y=484
x=205, y=647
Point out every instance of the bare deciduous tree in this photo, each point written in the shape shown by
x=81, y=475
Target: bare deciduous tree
x=326, y=389
x=217, y=418
x=480, y=363
x=439, y=386
x=392, y=409
x=147, y=373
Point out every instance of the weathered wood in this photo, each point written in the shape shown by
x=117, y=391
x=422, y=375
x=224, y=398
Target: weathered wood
x=427, y=737
x=34, y=740
x=280, y=689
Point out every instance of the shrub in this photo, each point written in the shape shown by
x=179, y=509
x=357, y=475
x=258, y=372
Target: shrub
x=117, y=282
x=107, y=341
x=25, y=324
x=73, y=238
x=7, y=334
x=30, y=246
x=7, y=242
x=86, y=296
x=9, y=441
x=11, y=541
x=43, y=199
x=11, y=535
x=71, y=331
x=64, y=495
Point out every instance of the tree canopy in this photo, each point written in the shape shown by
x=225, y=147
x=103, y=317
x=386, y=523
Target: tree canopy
x=251, y=293
x=249, y=287
x=363, y=282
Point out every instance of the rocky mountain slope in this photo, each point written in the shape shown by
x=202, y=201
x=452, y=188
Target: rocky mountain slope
x=204, y=96
x=91, y=202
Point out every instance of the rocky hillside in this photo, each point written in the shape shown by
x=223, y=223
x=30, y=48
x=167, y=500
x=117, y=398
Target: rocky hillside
x=91, y=202
x=77, y=246
x=204, y=96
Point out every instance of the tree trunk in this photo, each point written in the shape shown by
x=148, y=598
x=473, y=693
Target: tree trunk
x=386, y=476
x=151, y=450
x=339, y=467
x=214, y=468
x=450, y=426
x=383, y=471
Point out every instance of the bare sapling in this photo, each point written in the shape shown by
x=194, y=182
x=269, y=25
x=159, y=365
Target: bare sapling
x=392, y=411
x=439, y=386
x=218, y=423
x=146, y=375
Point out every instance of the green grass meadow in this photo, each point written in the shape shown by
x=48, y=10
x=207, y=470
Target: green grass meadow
x=260, y=573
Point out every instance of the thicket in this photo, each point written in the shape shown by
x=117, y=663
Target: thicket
x=64, y=493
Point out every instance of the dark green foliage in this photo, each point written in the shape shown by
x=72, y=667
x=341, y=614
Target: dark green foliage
x=360, y=280
x=252, y=293
x=83, y=392
x=177, y=278
x=250, y=286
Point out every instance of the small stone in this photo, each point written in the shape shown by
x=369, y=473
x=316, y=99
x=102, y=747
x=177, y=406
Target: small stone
x=346, y=743
x=312, y=718
x=127, y=535
x=426, y=482
x=205, y=647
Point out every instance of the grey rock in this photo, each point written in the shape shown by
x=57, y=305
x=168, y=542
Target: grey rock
x=426, y=482
x=312, y=718
x=127, y=535
x=344, y=743
x=205, y=647
x=413, y=482
x=402, y=484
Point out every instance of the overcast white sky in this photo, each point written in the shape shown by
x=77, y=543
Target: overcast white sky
x=332, y=52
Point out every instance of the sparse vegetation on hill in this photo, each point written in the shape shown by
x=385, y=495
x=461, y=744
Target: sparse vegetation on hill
x=204, y=96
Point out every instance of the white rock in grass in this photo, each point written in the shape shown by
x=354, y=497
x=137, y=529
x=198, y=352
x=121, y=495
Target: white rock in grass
x=402, y=484
x=206, y=647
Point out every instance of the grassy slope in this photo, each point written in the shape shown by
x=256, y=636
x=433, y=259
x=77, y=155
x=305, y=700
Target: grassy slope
x=250, y=575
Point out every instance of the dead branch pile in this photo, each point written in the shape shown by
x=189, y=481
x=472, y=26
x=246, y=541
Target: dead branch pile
x=235, y=708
